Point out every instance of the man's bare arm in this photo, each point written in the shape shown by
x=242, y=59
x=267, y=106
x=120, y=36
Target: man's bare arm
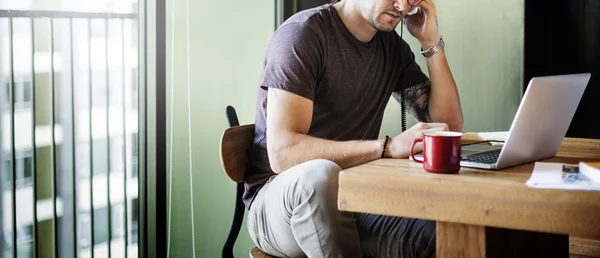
x=444, y=103
x=288, y=120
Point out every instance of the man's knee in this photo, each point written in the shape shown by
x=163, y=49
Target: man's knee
x=319, y=180
x=319, y=174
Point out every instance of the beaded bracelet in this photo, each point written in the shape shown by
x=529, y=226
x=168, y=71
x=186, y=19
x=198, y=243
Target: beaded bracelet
x=384, y=145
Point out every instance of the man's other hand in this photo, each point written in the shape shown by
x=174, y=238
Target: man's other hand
x=399, y=146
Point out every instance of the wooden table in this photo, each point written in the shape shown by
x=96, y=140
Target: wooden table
x=480, y=213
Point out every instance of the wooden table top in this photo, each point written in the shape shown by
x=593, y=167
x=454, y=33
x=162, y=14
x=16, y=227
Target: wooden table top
x=401, y=187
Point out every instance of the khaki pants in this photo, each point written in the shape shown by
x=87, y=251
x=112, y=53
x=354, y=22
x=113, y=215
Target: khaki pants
x=295, y=214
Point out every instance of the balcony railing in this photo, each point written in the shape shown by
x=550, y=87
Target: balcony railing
x=101, y=111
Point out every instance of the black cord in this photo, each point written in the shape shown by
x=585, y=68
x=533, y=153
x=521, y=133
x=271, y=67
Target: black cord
x=403, y=110
x=402, y=96
x=401, y=53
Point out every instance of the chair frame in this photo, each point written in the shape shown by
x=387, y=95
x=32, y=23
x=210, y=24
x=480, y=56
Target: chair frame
x=238, y=215
x=235, y=143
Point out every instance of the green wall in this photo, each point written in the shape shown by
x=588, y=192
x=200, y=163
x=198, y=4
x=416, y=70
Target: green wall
x=227, y=42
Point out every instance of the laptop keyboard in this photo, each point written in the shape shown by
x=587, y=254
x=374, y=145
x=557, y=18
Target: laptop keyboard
x=489, y=157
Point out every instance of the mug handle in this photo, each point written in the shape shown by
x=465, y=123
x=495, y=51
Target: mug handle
x=412, y=146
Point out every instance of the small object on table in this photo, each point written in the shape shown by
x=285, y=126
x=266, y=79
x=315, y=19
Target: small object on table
x=555, y=175
x=591, y=170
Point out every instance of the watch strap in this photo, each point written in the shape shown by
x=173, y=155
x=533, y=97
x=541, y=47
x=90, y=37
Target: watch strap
x=432, y=50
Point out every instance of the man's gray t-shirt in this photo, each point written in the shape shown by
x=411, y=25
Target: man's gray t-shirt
x=314, y=55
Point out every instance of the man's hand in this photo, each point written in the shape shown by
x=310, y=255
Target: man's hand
x=423, y=25
x=443, y=102
x=399, y=146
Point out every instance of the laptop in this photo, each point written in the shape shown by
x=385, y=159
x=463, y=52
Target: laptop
x=539, y=126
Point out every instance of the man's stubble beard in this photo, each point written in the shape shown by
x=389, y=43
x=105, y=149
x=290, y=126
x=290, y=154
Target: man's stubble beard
x=378, y=25
x=373, y=19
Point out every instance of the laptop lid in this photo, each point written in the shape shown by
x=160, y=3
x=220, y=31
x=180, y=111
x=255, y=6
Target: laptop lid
x=543, y=118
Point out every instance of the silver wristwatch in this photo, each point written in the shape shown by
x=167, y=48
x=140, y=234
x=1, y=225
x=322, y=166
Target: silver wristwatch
x=432, y=50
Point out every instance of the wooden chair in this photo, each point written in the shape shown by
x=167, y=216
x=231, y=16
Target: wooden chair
x=235, y=142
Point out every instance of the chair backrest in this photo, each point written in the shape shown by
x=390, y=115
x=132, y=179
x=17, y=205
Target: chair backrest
x=234, y=143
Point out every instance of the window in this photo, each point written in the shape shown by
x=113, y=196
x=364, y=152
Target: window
x=100, y=161
x=24, y=169
x=134, y=155
x=28, y=167
x=134, y=220
x=100, y=157
x=99, y=88
x=83, y=160
x=7, y=173
x=79, y=62
x=84, y=229
x=98, y=28
x=118, y=221
x=82, y=93
x=116, y=154
x=134, y=144
x=23, y=90
x=100, y=225
x=134, y=86
x=7, y=93
x=24, y=235
x=25, y=250
x=27, y=91
x=24, y=241
x=116, y=87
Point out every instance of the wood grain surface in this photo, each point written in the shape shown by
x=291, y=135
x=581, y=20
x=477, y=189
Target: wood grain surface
x=257, y=253
x=452, y=237
x=234, y=143
x=401, y=187
x=584, y=246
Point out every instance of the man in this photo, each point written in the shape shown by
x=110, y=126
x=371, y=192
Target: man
x=327, y=76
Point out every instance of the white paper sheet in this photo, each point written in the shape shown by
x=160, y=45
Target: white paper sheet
x=560, y=176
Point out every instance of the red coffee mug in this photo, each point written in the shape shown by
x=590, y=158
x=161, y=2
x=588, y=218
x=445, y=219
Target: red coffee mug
x=441, y=151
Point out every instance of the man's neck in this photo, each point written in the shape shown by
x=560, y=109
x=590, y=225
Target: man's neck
x=354, y=20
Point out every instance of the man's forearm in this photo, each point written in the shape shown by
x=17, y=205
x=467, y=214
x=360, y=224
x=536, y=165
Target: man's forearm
x=444, y=103
x=300, y=148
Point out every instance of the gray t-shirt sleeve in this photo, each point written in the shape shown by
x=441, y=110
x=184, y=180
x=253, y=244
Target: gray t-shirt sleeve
x=293, y=60
x=412, y=74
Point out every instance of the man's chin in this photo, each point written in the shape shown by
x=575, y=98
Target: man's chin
x=387, y=27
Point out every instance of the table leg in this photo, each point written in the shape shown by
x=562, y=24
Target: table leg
x=456, y=240
x=461, y=240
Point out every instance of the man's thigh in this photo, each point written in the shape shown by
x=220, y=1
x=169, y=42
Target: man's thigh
x=269, y=219
x=290, y=212
x=388, y=236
